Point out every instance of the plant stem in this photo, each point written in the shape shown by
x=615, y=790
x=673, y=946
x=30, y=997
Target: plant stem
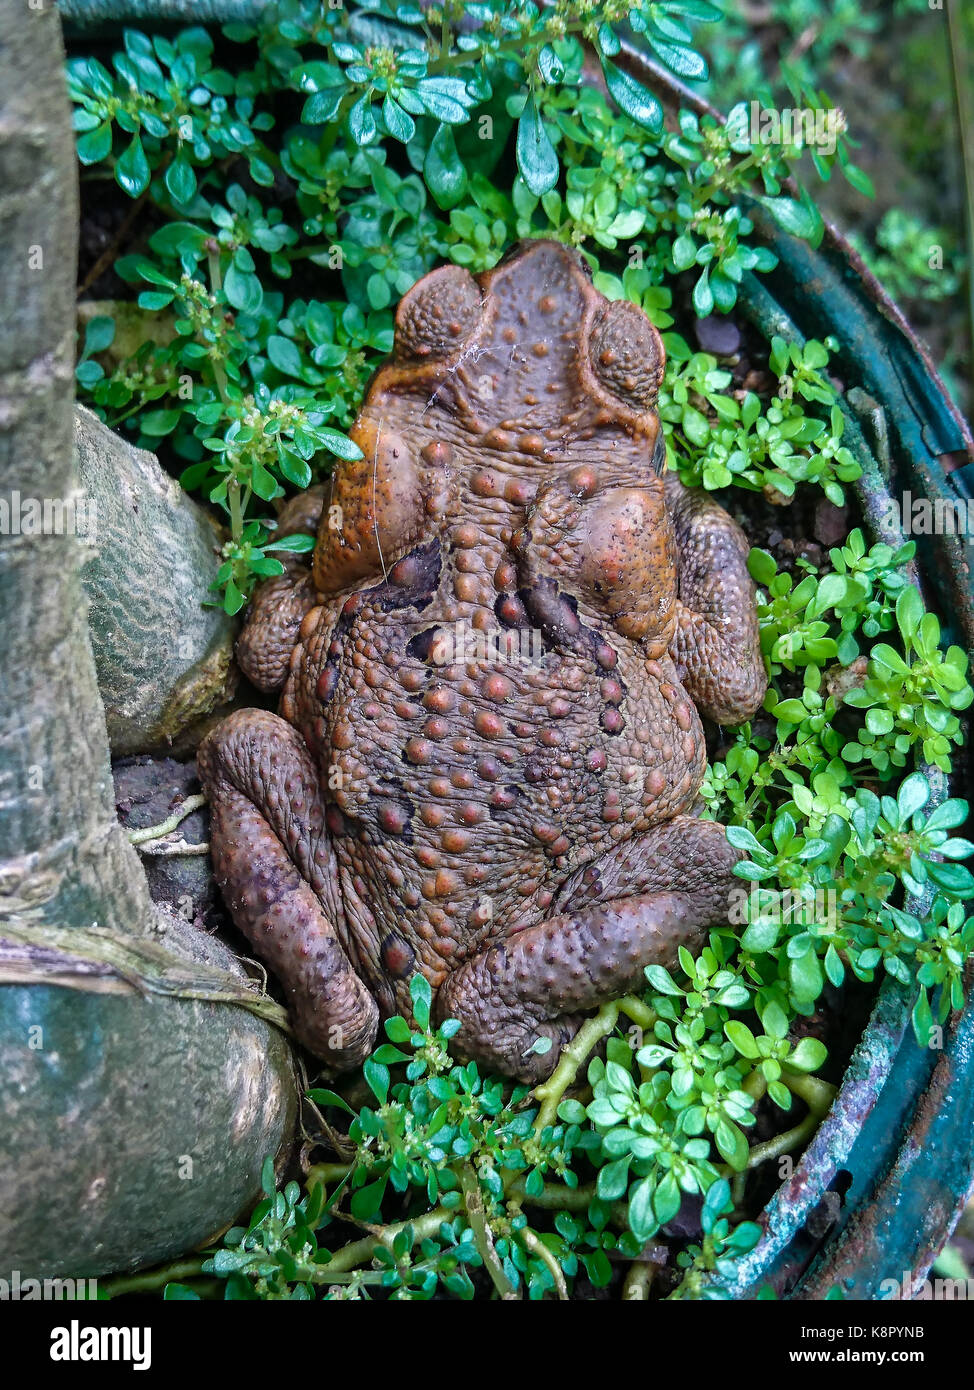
x=577, y=1051
x=156, y=832
x=236, y=511
x=153, y=1279
x=536, y=1245
x=639, y=1281
x=817, y=1095
x=474, y=1205
x=358, y=1251
x=641, y=1014
x=793, y=1138
x=553, y=1197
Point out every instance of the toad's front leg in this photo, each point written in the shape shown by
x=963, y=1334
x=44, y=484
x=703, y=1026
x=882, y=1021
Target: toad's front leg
x=274, y=862
x=716, y=644
x=610, y=549
x=636, y=907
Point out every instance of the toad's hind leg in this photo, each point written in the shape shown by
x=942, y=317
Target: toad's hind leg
x=636, y=907
x=274, y=863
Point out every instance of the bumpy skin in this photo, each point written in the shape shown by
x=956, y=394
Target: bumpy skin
x=488, y=743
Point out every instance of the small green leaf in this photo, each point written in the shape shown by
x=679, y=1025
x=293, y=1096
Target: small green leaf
x=337, y=443
x=537, y=159
x=742, y=1038
x=914, y=791
x=613, y=1179
x=808, y=1055
x=284, y=354
x=633, y=98
x=397, y=122
x=444, y=170
x=243, y=290
x=99, y=334
x=95, y=144
x=792, y=216
x=180, y=180
x=642, y=1217
x=361, y=121
x=132, y=169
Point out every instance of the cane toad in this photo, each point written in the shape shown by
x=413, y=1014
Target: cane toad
x=489, y=749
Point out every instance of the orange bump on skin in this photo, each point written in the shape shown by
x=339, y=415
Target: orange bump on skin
x=418, y=751
x=583, y=481
x=455, y=841
x=438, y=452
x=310, y=622
x=519, y=491
x=497, y=687
x=484, y=484
x=440, y=699
x=498, y=439
x=447, y=883
x=411, y=681
x=488, y=725
x=531, y=444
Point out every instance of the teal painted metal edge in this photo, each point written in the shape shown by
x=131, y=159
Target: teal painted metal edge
x=90, y=14
x=776, y=1260
x=888, y=1085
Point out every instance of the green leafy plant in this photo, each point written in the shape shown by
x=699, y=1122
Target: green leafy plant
x=913, y=259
